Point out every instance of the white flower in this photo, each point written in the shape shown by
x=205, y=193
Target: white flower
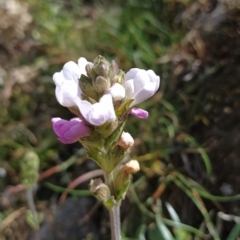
x=98, y=113
x=140, y=84
x=117, y=91
x=67, y=85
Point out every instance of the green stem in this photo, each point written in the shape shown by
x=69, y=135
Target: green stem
x=114, y=212
x=32, y=208
x=31, y=204
x=115, y=222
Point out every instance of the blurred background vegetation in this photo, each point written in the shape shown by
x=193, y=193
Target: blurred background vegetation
x=188, y=147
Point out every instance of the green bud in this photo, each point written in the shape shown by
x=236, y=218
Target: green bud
x=90, y=72
x=93, y=143
x=29, y=168
x=87, y=88
x=34, y=224
x=100, y=190
x=113, y=69
x=101, y=85
x=114, y=157
x=119, y=77
x=101, y=66
x=107, y=129
x=121, y=182
x=124, y=107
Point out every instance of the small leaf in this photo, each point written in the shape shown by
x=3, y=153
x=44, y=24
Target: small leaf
x=34, y=224
x=234, y=234
x=163, y=228
x=110, y=203
x=178, y=231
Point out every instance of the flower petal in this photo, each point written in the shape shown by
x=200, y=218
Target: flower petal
x=129, y=87
x=146, y=92
x=58, y=78
x=70, y=131
x=139, y=113
x=67, y=82
x=131, y=73
x=82, y=62
x=154, y=78
x=66, y=93
x=140, y=84
x=117, y=91
x=98, y=113
x=71, y=71
x=140, y=80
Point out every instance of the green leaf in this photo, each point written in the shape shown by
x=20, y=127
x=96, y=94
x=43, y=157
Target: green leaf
x=114, y=136
x=206, y=160
x=34, y=224
x=110, y=202
x=124, y=107
x=164, y=231
x=141, y=232
x=178, y=231
x=122, y=191
x=193, y=194
x=234, y=234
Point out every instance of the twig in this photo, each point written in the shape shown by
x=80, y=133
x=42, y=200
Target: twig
x=11, y=217
x=79, y=180
x=90, y=213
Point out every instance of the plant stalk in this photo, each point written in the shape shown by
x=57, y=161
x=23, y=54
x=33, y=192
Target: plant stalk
x=114, y=212
x=31, y=204
x=115, y=222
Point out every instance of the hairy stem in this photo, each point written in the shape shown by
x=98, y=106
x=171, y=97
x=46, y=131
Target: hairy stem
x=114, y=212
x=115, y=222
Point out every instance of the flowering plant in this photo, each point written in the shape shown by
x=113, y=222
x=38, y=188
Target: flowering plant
x=101, y=96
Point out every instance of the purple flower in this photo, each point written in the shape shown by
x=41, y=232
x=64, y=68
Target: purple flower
x=139, y=113
x=70, y=131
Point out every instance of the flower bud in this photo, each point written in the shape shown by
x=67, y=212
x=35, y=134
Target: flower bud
x=119, y=78
x=121, y=182
x=131, y=167
x=101, y=85
x=87, y=88
x=125, y=141
x=29, y=169
x=100, y=190
x=90, y=71
x=113, y=69
x=139, y=113
x=101, y=66
x=106, y=129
